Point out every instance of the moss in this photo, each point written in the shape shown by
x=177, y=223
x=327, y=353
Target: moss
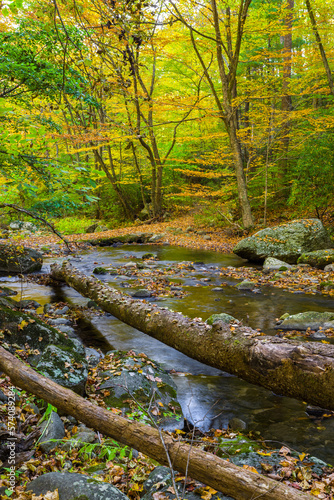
x=239, y=444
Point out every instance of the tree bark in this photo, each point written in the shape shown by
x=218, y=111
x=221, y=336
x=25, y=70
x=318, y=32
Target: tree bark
x=297, y=369
x=321, y=47
x=286, y=97
x=206, y=467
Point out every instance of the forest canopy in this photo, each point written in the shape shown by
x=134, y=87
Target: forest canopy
x=126, y=109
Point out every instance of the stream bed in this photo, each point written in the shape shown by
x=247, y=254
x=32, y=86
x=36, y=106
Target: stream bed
x=209, y=397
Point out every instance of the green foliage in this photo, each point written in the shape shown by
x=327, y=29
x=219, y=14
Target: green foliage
x=312, y=186
x=109, y=206
x=73, y=225
x=57, y=207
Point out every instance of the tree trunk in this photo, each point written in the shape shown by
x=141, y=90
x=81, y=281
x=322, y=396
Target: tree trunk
x=321, y=47
x=286, y=97
x=297, y=369
x=206, y=467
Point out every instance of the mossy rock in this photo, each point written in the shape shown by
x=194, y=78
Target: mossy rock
x=148, y=256
x=57, y=357
x=100, y=270
x=140, y=380
x=246, y=285
x=309, y=319
x=73, y=486
x=318, y=258
x=64, y=366
x=285, y=242
x=236, y=445
x=223, y=317
x=327, y=285
x=18, y=259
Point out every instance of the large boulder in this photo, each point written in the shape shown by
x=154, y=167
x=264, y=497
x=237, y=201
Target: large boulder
x=318, y=258
x=57, y=357
x=285, y=242
x=73, y=486
x=18, y=259
x=308, y=319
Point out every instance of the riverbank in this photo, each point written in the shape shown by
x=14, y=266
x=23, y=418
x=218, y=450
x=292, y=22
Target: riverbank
x=182, y=231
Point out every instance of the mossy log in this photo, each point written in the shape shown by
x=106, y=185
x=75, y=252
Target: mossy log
x=206, y=467
x=302, y=370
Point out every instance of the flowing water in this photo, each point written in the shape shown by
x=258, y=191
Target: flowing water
x=209, y=397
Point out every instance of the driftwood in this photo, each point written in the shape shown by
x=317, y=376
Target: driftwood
x=206, y=467
x=303, y=370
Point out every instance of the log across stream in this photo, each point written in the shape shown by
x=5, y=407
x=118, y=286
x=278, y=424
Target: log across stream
x=209, y=397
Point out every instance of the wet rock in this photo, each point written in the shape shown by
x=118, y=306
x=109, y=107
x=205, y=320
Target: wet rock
x=6, y=292
x=149, y=256
x=112, y=271
x=147, y=383
x=64, y=310
x=246, y=285
x=52, y=428
x=53, y=353
x=142, y=294
x=318, y=258
x=159, y=475
x=59, y=321
x=18, y=259
x=285, y=242
x=67, y=367
x=3, y=397
x=272, y=264
x=74, y=486
x=310, y=319
x=100, y=270
x=28, y=304
x=130, y=265
x=255, y=460
x=67, y=329
x=159, y=485
x=225, y=318
x=93, y=356
x=236, y=424
x=319, y=335
x=329, y=268
x=47, y=308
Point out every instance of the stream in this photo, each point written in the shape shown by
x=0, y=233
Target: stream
x=209, y=397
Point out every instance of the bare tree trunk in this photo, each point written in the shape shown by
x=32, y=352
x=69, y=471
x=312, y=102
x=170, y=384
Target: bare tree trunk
x=224, y=99
x=213, y=471
x=286, y=97
x=320, y=45
x=297, y=369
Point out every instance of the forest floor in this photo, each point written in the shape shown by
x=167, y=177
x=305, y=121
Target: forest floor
x=221, y=240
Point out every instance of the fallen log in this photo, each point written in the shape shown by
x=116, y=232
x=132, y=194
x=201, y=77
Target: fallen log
x=220, y=474
x=302, y=370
